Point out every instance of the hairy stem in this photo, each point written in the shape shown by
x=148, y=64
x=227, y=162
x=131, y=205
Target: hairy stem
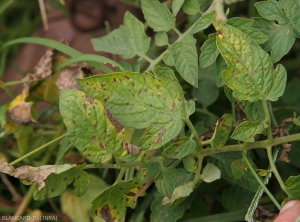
x=261, y=183
x=194, y=132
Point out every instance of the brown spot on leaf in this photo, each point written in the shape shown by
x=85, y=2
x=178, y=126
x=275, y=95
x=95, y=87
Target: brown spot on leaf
x=105, y=213
x=73, y=121
x=114, y=121
x=126, y=77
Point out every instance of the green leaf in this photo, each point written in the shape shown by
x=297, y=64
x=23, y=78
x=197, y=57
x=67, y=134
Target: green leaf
x=157, y=15
x=181, y=148
x=236, y=198
x=292, y=186
x=189, y=164
x=290, y=97
x=111, y=203
x=222, y=131
x=89, y=128
x=128, y=40
x=165, y=71
x=247, y=130
x=238, y=168
x=191, y=7
x=165, y=181
x=162, y=213
x=204, y=22
x=161, y=39
x=82, y=183
x=281, y=37
x=209, y=52
x=254, y=111
x=56, y=184
x=176, y=6
x=141, y=101
x=224, y=160
x=168, y=59
x=210, y=173
x=184, y=54
x=271, y=10
x=250, y=72
x=245, y=26
x=206, y=93
x=291, y=9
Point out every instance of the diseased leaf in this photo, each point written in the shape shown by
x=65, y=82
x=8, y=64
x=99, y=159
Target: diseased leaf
x=291, y=9
x=157, y=15
x=204, y=22
x=271, y=10
x=181, y=148
x=222, y=131
x=247, y=130
x=111, y=203
x=89, y=127
x=245, y=26
x=209, y=52
x=165, y=71
x=191, y=7
x=165, y=181
x=210, y=173
x=254, y=111
x=161, y=39
x=34, y=174
x=128, y=40
x=56, y=184
x=141, y=101
x=82, y=183
x=184, y=54
x=250, y=72
x=292, y=186
x=221, y=66
x=176, y=6
x=238, y=168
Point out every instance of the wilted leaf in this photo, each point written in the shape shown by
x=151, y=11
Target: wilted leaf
x=210, y=173
x=89, y=128
x=141, y=101
x=165, y=181
x=181, y=148
x=34, y=174
x=250, y=72
x=111, y=203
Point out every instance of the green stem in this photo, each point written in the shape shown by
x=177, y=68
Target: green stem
x=25, y=202
x=274, y=169
x=11, y=83
x=233, y=112
x=273, y=119
x=219, y=9
x=198, y=172
x=261, y=183
x=37, y=150
x=267, y=119
x=120, y=176
x=194, y=132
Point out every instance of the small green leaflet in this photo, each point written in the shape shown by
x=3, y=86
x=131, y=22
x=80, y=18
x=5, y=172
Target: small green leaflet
x=111, y=203
x=189, y=164
x=165, y=181
x=181, y=148
x=128, y=40
x=292, y=186
x=191, y=7
x=250, y=72
x=204, y=22
x=141, y=101
x=179, y=192
x=176, y=6
x=185, y=58
x=209, y=52
x=82, y=183
x=247, y=130
x=89, y=128
x=161, y=39
x=222, y=131
x=238, y=168
x=157, y=15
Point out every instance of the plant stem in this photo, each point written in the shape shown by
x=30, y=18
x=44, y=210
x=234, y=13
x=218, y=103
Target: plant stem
x=219, y=9
x=120, y=176
x=37, y=150
x=25, y=202
x=198, y=172
x=274, y=169
x=258, y=179
x=193, y=131
x=267, y=119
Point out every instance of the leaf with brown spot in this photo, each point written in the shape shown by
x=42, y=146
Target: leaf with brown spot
x=94, y=135
x=180, y=149
x=111, y=203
